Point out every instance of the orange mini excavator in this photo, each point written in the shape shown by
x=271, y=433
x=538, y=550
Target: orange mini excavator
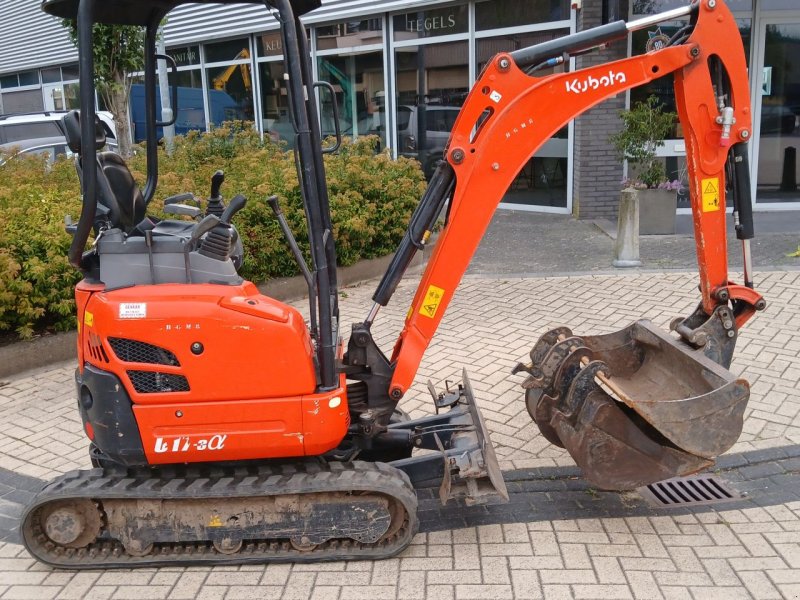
x=226, y=429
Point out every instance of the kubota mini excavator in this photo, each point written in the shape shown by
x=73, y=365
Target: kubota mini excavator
x=225, y=429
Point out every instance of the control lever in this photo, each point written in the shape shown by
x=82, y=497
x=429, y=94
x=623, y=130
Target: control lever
x=221, y=241
x=180, y=198
x=182, y=209
x=207, y=224
x=215, y=204
x=235, y=206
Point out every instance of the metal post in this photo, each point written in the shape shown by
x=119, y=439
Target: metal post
x=163, y=86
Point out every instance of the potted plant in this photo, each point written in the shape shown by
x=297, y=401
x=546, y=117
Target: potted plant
x=644, y=128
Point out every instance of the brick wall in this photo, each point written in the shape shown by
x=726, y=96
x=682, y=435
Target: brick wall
x=598, y=171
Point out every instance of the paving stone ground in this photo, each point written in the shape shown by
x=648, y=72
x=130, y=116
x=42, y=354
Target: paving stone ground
x=557, y=538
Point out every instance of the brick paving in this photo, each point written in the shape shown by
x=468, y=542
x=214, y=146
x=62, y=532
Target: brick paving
x=557, y=538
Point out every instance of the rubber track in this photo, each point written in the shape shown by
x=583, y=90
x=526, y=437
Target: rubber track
x=194, y=482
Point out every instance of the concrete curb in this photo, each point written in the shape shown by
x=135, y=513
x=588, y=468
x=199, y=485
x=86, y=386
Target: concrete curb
x=42, y=351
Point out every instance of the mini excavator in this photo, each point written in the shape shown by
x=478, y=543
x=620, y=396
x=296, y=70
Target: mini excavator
x=225, y=428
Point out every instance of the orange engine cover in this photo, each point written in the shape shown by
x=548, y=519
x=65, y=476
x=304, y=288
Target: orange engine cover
x=214, y=372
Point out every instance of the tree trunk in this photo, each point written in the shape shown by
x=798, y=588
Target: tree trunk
x=116, y=98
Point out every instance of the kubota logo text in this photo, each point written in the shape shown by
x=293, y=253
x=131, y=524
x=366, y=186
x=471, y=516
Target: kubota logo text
x=579, y=86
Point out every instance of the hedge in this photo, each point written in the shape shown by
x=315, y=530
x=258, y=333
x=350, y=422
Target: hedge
x=371, y=195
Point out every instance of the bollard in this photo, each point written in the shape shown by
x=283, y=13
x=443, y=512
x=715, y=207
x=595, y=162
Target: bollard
x=626, y=247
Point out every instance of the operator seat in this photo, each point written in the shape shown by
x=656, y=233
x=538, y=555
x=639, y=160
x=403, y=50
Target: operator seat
x=117, y=191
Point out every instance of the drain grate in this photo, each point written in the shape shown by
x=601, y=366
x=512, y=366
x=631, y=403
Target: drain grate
x=692, y=490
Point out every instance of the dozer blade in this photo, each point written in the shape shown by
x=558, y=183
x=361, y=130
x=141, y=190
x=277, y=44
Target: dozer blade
x=635, y=406
x=465, y=466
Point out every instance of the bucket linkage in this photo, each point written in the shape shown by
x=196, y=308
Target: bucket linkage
x=639, y=405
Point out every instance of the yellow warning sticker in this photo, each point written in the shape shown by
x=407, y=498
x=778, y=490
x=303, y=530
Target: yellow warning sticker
x=431, y=301
x=88, y=319
x=710, y=189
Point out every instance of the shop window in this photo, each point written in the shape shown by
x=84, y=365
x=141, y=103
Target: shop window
x=651, y=7
x=185, y=55
x=512, y=13
x=191, y=110
x=227, y=51
x=432, y=84
x=664, y=88
x=350, y=34
x=29, y=78
x=543, y=180
x=230, y=94
x=360, y=94
x=275, y=103
x=69, y=72
x=51, y=75
x=9, y=81
x=430, y=23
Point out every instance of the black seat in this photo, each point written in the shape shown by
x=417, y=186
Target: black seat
x=117, y=191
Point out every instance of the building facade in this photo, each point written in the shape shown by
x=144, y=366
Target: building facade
x=401, y=69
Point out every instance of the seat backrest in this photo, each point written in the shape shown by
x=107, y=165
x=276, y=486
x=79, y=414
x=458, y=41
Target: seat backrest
x=117, y=191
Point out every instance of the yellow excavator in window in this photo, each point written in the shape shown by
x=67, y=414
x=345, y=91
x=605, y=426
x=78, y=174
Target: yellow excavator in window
x=221, y=81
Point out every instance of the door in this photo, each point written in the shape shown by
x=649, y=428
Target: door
x=54, y=96
x=778, y=115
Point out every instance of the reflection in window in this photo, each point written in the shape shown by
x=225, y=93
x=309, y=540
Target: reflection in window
x=191, y=112
x=275, y=102
x=512, y=13
x=230, y=96
x=350, y=34
x=664, y=87
x=543, y=180
x=432, y=84
x=360, y=94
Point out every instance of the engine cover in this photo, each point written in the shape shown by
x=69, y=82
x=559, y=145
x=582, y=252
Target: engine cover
x=212, y=372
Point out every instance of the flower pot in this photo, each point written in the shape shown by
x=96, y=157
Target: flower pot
x=657, y=211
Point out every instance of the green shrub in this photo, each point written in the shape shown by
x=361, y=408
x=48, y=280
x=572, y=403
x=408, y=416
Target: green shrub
x=371, y=197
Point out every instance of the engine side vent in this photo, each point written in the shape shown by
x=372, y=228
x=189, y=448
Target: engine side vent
x=94, y=347
x=152, y=382
x=133, y=351
x=689, y=490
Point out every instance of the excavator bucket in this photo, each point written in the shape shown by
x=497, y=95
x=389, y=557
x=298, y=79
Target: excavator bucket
x=635, y=406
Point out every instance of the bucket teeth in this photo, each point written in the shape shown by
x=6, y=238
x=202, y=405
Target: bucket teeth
x=635, y=406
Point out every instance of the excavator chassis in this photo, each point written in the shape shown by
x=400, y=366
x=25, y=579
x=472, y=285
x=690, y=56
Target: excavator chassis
x=294, y=512
x=317, y=510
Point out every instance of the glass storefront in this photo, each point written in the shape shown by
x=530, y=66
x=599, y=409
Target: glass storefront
x=543, y=181
x=359, y=84
x=432, y=82
x=779, y=127
x=230, y=86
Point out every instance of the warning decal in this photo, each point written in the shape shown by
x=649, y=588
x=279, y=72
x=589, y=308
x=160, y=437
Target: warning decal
x=431, y=301
x=710, y=189
x=88, y=318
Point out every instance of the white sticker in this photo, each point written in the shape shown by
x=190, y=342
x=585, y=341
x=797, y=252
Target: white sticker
x=496, y=96
x=133, y=310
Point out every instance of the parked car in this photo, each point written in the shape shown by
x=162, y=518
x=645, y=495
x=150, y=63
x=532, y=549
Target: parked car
x=46, y=124
x=439, y=122
x=53, y=146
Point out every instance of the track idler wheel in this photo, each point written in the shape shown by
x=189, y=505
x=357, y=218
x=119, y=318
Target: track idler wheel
x=72, y=523
x=632, y=407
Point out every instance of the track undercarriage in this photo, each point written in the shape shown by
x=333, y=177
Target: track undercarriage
x=196, y=515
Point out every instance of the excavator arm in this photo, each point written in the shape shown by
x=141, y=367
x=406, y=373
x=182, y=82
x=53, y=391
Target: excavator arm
x=509, y=115
x=638, y=405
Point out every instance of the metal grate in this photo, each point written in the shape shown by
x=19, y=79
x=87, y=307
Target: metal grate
x=152, y=382
x=692, y=490
x=141, y=352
